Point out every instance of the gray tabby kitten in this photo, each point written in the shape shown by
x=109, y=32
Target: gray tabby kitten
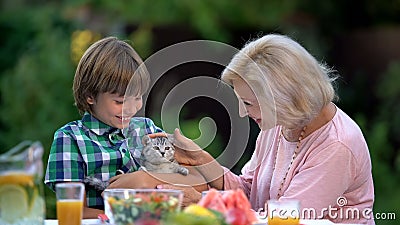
x=158, y=156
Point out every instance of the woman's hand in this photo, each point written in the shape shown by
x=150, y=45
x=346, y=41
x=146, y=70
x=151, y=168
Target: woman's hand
x=187, y=152
x=190, y=195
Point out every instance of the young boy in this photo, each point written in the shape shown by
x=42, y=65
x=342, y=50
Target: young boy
x=107, y=137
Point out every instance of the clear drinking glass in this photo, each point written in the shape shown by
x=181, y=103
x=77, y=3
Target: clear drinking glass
x=283, y=212
x=70, y=203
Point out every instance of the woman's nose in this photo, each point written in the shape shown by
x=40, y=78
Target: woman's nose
x=132, y=106
x=129, y=109
x=242, y=110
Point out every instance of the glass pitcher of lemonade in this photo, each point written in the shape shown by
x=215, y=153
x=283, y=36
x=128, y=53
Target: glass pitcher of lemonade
x=21, y=189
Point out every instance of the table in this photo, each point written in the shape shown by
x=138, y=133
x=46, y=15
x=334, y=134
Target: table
x=311, y=222
x=305, y=222
x=84, y=222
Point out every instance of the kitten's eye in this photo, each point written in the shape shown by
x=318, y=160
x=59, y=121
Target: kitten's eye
x=156, y=148
x=167, y=148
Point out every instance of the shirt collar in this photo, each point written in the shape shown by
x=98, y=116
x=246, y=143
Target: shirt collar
x=96, y=125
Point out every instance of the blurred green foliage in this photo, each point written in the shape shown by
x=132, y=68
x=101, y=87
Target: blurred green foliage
x=35, y=79
x=382, y=134
x=37, y=62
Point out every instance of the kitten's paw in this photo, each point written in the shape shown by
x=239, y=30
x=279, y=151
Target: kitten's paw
x=143, y=168
x=97, y=184
x=183, y=170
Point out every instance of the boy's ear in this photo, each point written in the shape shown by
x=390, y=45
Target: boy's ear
x=90, y=100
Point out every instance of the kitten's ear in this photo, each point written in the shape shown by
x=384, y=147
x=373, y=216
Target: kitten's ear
x=146, y=140
x=171, y=138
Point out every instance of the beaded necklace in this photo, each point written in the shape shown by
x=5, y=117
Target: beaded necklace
x=296, y=151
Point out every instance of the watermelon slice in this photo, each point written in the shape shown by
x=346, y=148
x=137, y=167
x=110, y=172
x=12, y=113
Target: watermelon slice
x=213, y=200
x=231, y=200
x=243, y=203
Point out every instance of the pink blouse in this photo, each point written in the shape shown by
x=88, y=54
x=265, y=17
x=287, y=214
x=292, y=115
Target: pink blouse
x=331, y=175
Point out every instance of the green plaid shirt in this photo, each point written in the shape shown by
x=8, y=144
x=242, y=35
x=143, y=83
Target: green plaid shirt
x=88, y=147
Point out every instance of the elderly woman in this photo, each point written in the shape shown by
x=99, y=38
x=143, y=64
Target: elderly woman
x=308, y=148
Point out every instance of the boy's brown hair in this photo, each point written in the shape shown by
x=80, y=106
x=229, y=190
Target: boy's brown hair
x=109, y=65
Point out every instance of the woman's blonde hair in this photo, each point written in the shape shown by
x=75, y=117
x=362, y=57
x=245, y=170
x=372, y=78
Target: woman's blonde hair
x=285, y=78
x=109, y=65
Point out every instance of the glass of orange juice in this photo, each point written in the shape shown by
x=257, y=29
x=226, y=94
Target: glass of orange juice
x=69, y=203
x=283, y=212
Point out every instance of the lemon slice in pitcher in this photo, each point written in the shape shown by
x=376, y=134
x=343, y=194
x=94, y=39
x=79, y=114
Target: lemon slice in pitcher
x=37, y=208
x=17, y=178
x=13, y=202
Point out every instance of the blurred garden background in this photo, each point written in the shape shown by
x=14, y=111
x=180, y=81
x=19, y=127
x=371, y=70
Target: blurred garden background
x=42, y=41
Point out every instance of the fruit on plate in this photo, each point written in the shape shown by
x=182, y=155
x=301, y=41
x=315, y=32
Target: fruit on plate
x=199, y=210
x=213, y=200
x=186, y=218
x=236, y=216
x=232, y=204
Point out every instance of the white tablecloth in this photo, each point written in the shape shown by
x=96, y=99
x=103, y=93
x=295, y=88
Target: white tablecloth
x=305, y=222
x=314, y=222
x=84, y=222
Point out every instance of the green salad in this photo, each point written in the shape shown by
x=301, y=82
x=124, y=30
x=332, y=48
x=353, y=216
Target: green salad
x=141, y=208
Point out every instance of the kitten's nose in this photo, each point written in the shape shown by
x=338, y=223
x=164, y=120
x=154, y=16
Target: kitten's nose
x=162, y=154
